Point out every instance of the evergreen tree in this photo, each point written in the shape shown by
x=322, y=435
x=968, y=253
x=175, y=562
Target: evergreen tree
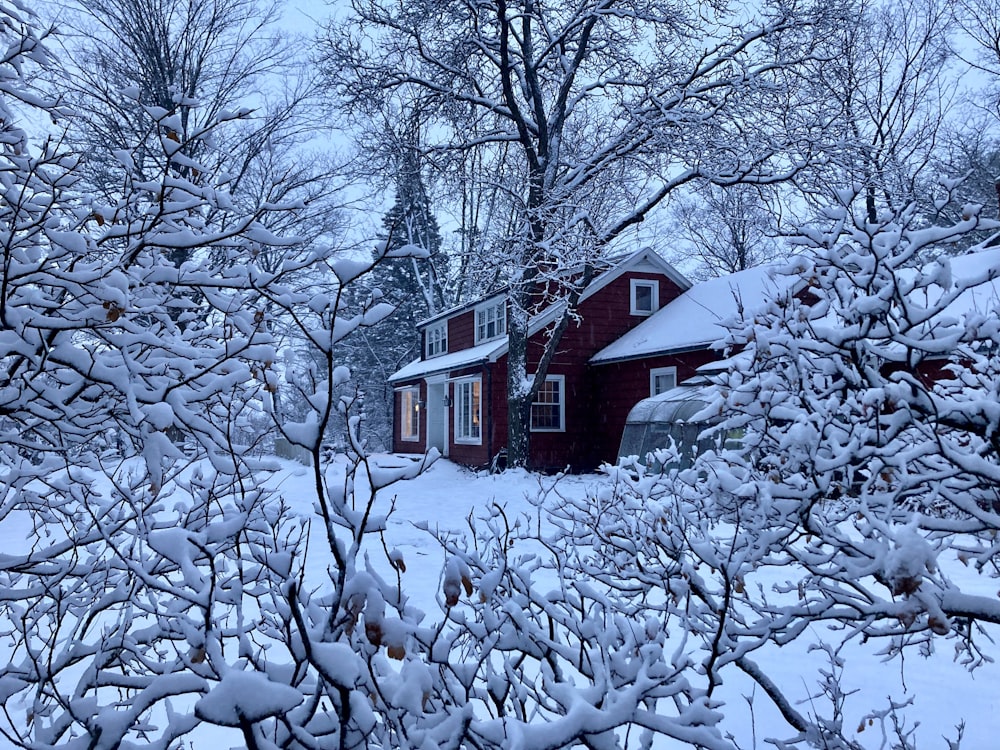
x=416, y=287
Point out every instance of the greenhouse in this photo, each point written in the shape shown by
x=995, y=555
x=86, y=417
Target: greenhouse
x=671, y=419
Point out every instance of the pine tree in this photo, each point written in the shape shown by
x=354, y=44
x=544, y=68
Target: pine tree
x=417, y=289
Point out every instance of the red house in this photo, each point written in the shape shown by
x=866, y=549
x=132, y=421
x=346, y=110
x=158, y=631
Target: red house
x=641, y=328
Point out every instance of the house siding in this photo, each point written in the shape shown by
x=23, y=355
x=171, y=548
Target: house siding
x=621, y=385
x=462, y=331
x=597, y=398
x=468, y=453
x=604, y=317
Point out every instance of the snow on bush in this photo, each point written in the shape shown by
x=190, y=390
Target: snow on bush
x=161, y=589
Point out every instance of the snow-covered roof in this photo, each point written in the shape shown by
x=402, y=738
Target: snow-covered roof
x=643, y=260
x=452, y=311
x=693, y=319
x=678, y=404
x=970, y=268
x=646, y=260
x=488, y=351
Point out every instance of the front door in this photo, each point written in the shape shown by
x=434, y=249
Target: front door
x=437, y=415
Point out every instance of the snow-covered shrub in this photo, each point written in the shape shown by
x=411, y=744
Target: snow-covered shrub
x=868, y=468
x=159, y=588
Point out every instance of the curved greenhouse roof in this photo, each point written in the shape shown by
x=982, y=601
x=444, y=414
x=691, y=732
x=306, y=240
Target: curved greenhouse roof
x=680, y=404
x=675, y=418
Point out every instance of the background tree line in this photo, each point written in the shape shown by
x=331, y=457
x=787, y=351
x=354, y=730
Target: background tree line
x=556, y=137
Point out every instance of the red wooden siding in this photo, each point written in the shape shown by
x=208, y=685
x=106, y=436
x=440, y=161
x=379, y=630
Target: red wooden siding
x=464, y=453
x=462, y=331
x=605, y=316
x=597, y=399
x=621, y=385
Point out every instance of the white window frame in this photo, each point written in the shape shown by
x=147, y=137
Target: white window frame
x=436, y=339
x=409, y=413
x=468, y=425
x=657, y=372
x=634, y=286
x=561, y=380
x=492, y=313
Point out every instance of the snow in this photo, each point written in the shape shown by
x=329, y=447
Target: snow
x=642, y=260
x=693, y=320
x=443, y=497
x=645, y=260
x=446, y=495
x=246, y=696
x=488, y=352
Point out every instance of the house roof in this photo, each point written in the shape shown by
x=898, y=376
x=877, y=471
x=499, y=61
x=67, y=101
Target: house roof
x=491, y=351
x=451, y=311
x=641, y=260
x=418, y=368
x=488, y=351
x=972, y=268
x=693, y=320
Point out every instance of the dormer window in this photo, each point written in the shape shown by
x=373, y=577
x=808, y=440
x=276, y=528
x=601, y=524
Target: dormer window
x=436, y=339
x=645, y=297
x=491, y=320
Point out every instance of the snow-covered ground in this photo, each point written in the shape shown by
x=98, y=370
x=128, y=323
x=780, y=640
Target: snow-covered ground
x=943, y=693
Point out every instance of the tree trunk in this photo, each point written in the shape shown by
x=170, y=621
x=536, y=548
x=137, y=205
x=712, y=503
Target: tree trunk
x=518, y=385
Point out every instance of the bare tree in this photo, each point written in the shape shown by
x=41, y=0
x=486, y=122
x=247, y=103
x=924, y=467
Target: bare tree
x=978, y=44
x=127, y=63
x=729, y=229
x=597, y=112
x=887, y=95
x=158, y=574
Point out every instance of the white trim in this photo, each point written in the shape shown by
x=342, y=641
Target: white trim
x=633, y=286
x=490, y=351
x=436, y=334
x=657, y=371
x=414, y=392
x=495, y=311
x=634, y=263
x=561, y=379
x=475, y=418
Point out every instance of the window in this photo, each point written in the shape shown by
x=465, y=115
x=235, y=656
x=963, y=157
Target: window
x=662, y=379
x=436, y=339
x=409, y=414
x=468, y=411
x=491, y=321
x=548, y=410
x=645, y=297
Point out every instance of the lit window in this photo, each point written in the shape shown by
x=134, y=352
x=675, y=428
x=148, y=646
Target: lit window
x=436, y=338
x=468, y=411
x=409, y=414
x=548, y=410
x=491, y=321
x=645, y=297
x=662, y=379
